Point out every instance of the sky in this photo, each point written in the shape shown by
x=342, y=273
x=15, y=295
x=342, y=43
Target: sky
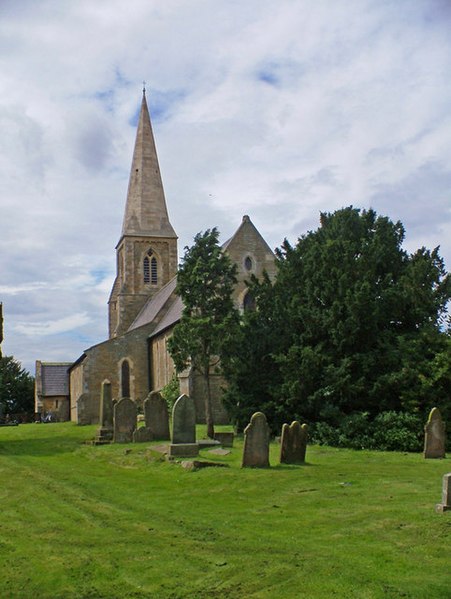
x=279, y=110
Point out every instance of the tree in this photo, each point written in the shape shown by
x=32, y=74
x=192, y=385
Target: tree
x=205, y=282
x=346, y=324
x=16, y=387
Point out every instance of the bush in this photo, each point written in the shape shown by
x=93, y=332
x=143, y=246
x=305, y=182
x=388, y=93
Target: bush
x=171, y=392
x=398, y=431
x=389, y=431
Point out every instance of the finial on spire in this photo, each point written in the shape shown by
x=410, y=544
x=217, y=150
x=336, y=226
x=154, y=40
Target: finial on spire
x=144, y=88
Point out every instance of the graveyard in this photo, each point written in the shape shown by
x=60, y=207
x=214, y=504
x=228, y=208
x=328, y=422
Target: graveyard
x=120, y=520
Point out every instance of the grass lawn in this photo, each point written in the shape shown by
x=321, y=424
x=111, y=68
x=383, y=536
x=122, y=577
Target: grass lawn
x=81, y=521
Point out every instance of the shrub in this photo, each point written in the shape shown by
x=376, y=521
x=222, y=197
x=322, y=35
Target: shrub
x=171, y=391
x=389, y=431
x=398, y=431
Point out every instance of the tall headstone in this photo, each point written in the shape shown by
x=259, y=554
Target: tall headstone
x=156, y=416
x=434, y=435
x=183, y=429
x=256, y=442
x=445, y=506
x=293, y=443
x=125, y=419
x=184, y=420
x=105, y=431
x=82, y=409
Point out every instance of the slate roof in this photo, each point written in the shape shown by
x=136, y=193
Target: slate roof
x=55, y=378
x=172, y=316
x=152, y=308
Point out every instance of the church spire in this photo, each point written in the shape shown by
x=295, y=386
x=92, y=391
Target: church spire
x=145, y=211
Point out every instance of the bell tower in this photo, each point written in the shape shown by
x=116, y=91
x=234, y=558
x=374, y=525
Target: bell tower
x=146, y=255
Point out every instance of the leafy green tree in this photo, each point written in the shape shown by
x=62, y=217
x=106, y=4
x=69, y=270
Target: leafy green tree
x=346, y=325
x=205, y=282
x=16, y=387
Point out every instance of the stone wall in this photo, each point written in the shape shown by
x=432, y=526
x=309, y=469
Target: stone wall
x=198, y=392
x=104, y=361
x=76, y=388
x=162, y=365
x=58, y=405
x=130, y=292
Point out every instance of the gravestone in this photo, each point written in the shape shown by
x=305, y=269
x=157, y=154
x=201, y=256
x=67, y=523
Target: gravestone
x=125, y=417
x=445, y=506
x=184, y=421
x=256, y=442
x=83, y=416
x=183, y=429
x=225, y=438
x=156, y=416
x=293, y=443
x=142, y=435
x=434, y=435
x=105, y=431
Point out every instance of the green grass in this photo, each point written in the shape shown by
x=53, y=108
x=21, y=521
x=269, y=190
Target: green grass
x=81, y=521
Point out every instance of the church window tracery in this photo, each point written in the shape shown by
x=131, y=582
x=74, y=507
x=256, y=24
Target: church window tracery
x=150, y=268
x=248, y=263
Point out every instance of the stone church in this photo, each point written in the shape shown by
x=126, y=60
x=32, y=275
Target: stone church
x=143, y=306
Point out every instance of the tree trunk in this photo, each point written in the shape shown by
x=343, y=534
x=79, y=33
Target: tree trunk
x=208, y=410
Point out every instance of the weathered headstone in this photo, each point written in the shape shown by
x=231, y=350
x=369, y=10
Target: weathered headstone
x=434, y=435
x=82, y=410
x=184, y=421
x=256, y=442
x=225, y=438
x=105, y=431
x=156, y=416
x=183, y=428
x=445, y=506
x=124, y=420
x=293, y=443
x=142, y=435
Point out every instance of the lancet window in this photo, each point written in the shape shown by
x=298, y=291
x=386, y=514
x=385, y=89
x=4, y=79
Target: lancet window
x=150, y=268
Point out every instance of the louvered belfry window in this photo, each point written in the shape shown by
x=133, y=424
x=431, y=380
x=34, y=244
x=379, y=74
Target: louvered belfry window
x=146, y=270
x=153, y=271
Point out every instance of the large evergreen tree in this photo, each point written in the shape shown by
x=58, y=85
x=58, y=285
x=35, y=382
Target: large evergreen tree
x=205, y=282
x=352, y=323
x=16, y=387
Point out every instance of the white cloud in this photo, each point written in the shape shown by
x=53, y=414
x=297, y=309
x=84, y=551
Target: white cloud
x=55, y=327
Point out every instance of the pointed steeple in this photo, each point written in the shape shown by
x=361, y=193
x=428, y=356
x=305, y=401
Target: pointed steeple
x=145, y=211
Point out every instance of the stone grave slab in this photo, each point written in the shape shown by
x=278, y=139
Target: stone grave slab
x=293, y=443
x=185, y=450
x=156, y=416
x=256, y=442
x=445, y=506
x=184, y=421
x=434, y=435
x=124, y=420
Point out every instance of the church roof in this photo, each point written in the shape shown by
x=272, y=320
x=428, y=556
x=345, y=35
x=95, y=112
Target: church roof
x=172, y=317
x=154, y=305
x=145, y=211
x=55, y=378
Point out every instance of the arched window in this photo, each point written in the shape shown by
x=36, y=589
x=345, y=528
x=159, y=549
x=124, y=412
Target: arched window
x=125, y=379
x=248, y=302
x=248, y=263
x=150, y=268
